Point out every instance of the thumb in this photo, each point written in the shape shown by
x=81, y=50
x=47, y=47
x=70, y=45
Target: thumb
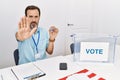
x=33, y=31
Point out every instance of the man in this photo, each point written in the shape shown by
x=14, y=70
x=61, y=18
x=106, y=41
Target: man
x=34, y=41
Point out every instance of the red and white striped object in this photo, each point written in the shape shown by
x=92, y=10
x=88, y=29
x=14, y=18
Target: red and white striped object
x=84, y=74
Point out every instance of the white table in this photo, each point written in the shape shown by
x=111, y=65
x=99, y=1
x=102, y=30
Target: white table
x=51, y=67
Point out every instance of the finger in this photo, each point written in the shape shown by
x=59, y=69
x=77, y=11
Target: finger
x=19, y=26
x=24, y=22
x=33, y=31
x=27, y=23
x=20, y=23
x=56, y=30
x=51, y=29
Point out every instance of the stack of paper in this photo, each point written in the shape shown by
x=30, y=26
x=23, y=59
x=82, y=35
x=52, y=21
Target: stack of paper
x=27, y=72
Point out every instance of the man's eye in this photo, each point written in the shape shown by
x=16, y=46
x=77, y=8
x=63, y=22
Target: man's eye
x=36, y=16
x=30, y=16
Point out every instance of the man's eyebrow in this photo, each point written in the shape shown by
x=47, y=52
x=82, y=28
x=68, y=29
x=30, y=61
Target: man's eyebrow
x=30, y=16
x=36, y=16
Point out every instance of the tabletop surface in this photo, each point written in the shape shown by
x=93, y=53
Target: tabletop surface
x=108, y=71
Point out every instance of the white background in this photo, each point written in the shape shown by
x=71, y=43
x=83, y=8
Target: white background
x=100, y=16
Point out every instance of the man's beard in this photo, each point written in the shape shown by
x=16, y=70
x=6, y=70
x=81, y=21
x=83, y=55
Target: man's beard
x=33, y=25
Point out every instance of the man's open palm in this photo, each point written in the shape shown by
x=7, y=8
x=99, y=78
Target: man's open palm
x=24, y=31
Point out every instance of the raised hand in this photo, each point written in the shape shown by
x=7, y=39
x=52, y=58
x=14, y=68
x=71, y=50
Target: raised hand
x=24, y=30
x=53, y=31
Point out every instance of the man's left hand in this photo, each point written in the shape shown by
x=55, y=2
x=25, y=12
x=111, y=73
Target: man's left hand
x=53, y=31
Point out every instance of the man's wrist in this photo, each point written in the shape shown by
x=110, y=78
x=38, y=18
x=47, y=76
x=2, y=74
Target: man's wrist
x=50, y=40
x=18, y=38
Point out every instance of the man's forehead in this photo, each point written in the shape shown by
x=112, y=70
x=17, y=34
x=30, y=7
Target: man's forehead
x=33, y=12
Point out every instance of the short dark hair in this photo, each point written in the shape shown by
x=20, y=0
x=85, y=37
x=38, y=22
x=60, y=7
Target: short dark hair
x=32, y=7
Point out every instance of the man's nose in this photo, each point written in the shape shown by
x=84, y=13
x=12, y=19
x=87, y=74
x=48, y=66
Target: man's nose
x=33, y=19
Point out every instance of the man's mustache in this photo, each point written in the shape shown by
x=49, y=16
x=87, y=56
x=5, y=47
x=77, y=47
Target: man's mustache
x=32, y=23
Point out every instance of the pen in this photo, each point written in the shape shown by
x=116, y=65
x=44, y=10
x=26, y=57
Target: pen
x=32, y=77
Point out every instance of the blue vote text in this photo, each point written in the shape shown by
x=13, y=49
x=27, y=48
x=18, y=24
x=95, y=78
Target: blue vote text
x=94, y=51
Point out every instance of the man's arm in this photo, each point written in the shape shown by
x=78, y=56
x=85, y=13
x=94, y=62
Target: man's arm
x=53, y=31
x=50, y=46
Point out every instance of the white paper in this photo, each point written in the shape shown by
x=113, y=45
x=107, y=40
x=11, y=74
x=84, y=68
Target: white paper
x=6, y=74
x=26, y=70
x=94, y=51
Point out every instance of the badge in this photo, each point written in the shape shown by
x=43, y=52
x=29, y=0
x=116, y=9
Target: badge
x=37, y=56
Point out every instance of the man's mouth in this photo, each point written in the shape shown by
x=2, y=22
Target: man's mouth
x=33, y=25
